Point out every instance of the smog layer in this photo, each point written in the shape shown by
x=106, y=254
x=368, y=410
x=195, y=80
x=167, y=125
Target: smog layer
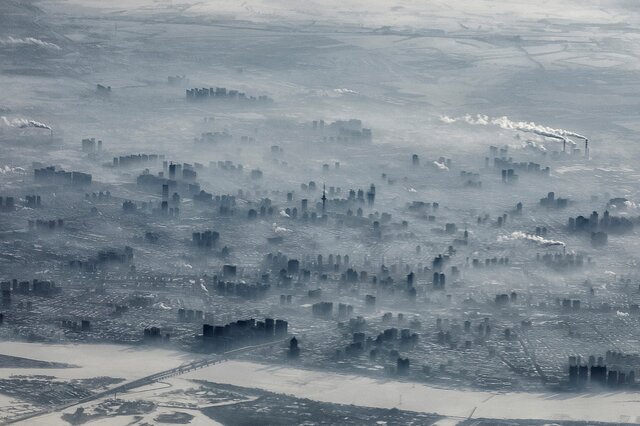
x=276, y=212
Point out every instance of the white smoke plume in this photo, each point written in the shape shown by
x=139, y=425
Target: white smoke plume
x=280, y=229
x=441, y=166
x=535, y=146
x=345, y=91
x=161, y=305
x=523, y=236
x=522, y=126
x=21, y=123
x=28, y=41
x=10, y=169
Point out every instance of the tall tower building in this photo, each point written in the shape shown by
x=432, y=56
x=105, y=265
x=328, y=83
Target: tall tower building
x=324, y=199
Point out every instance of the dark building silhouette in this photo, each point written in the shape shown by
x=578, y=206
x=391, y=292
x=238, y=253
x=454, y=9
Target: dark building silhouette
x=402, y=366
x=294, y=350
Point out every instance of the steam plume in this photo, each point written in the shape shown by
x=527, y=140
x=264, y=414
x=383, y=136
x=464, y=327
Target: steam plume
x=21, y=123
x=519, y=235
x=523, y=126
x=27, y=41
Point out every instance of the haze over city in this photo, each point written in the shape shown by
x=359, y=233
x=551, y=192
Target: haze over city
x=339, y=212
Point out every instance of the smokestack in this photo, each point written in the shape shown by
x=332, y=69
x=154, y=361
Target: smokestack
x=586, y=149
x=522, y=126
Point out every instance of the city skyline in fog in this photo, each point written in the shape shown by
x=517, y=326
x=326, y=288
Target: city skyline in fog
x=275, y=212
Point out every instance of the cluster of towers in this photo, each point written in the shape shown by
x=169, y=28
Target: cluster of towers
x=596, y=372
x=220, y=337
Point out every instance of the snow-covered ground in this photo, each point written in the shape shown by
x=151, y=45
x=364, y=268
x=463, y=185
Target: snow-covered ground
x=131, y=363
x=347, y=389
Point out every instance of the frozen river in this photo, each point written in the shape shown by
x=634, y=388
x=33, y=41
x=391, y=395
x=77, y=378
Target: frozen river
x=357, y=390
x=132, y=363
